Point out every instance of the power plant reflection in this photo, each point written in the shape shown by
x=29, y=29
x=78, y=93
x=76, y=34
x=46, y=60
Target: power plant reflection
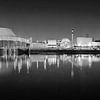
x=13, y=63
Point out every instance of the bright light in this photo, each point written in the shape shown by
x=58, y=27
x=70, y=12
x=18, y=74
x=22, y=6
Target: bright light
x=89, y=44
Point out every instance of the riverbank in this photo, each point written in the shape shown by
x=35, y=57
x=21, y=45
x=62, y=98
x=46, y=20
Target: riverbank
x=65, y=51
x=45, y=51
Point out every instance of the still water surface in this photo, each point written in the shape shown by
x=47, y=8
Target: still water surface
x=50, y=75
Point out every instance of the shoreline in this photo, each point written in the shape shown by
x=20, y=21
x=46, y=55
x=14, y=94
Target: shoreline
x=65, y=51
x=46, y=51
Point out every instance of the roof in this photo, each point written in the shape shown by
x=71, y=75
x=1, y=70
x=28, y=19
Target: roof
x=6, y=32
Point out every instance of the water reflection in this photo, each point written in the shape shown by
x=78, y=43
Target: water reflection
x=13, y=63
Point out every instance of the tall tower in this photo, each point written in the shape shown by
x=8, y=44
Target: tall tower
x=72, y=37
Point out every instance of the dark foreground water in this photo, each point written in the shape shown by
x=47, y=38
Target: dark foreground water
x=49, y=76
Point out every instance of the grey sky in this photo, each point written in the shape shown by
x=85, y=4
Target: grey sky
x=51, y=19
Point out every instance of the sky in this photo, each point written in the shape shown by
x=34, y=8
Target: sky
x=46, y=19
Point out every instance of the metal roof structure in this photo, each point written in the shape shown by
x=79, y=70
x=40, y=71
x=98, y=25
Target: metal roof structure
x=6, y=32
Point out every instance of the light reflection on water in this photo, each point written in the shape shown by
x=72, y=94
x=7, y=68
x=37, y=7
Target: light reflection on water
x=50, y=74
x=10, y=63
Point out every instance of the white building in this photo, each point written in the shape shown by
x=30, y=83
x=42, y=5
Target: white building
x=8, y=39
x=84, y=41
x=51, y=44
x=95, y=45
x=37, y=46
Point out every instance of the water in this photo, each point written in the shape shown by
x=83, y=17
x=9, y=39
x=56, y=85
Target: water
x=47, y=76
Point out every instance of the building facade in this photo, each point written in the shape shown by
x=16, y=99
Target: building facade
x=51, y=44
x=9, y=40
x=84, y=41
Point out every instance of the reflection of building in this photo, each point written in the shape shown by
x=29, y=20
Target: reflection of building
x=9, y=63
x=80, y=60
x=65, y=58
x=6, y=65
x=85, y=60
x=39, y=58
x=52, y=59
